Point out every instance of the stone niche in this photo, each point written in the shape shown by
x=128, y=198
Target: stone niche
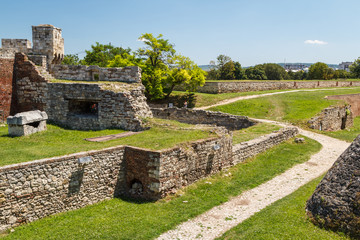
x=26, y=123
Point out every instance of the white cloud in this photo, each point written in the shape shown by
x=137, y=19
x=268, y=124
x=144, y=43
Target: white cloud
x=316, y=42
x=143, y=40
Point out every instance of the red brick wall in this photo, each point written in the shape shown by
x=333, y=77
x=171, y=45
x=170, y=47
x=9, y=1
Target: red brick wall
x=6, y=83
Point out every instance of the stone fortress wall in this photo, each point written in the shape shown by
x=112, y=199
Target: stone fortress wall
x=194, y=116
x=95, y=73
x=27, y=85
x=68, y=103
x=33, y=190
x=249, y=86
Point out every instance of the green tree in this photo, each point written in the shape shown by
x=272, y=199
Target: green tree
x=125, y=60
x=341, y=74
x=186, y=73
x=256, y=73
x=158, y=54
x=239, y=72
x=163, y=69
x=225, y=67
x=355, y=68
x=318, y=70
x=101, y=54
x=274, y=71
x=71, y=59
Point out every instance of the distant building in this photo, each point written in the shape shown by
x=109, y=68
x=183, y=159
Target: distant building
x=294, y=67
x=345, y=66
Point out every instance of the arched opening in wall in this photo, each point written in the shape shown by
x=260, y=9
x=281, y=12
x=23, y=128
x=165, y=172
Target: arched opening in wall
x=136, y=187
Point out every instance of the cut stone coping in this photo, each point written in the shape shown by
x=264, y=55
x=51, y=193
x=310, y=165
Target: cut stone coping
x=27, y=117
x=111, y=137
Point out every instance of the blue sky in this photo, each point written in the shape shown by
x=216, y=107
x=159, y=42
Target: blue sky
x=249, y=31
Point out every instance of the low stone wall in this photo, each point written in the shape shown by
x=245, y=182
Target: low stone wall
x=193, y=116
x=182, y=166
x=95, y=73
x=33, y=190
x=332, y=118
x=244, y=150
x=249, y=86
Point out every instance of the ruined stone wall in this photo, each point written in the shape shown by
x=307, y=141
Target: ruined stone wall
x=183, y=166
x=335, y=203
x=123, y=109
x=95, y=73
x=16, y=45
x=332, y=118
x=119, y=105
x=244, y=150
x=33, y=190
x=249, y=86
x=30, y=89
x=193, y=116
x=6, y=86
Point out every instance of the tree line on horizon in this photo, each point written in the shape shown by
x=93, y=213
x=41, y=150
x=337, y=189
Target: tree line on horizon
x=226, y=69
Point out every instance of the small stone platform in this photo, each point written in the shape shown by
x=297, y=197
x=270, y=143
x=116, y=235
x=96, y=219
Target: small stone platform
x=26, y=123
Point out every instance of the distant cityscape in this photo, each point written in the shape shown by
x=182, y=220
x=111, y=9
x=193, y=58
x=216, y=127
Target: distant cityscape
x=294, y=67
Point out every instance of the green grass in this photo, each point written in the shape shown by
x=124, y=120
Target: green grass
x=252, y=132
x=295, y=107
x=313, y=80
x=57, y=141
x=121, y=219
x=284, y=219
x=207, y=99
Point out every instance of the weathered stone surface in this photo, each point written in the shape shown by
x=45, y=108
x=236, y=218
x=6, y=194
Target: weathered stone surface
x=95, y=73
x=332, y=118
x=117, y=105
x=239, y=86
x=335, y=203
x=33, y=190
x=192, y=116
x=27, y=117
x=244, y=150
x=6, y=86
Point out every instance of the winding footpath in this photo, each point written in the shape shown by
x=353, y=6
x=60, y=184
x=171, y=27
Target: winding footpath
x=220, y=219
x=231, y=100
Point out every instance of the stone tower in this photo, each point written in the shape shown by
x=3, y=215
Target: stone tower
x=47, y=40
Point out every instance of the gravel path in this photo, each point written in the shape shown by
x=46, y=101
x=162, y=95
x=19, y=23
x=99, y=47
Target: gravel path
x=220, y=219
x=231, y=100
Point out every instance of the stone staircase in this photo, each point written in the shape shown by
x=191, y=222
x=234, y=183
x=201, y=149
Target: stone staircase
x=43, y=72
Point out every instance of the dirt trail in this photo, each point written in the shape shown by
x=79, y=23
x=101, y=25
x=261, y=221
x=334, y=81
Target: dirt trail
x=220, y=219
x=231, y=100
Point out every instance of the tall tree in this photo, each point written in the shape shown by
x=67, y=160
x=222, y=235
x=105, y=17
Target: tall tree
x=355, y=68
x=239, y=72
x=101, y=54
x=318, y=70
x=274, y=71
x=256, y=73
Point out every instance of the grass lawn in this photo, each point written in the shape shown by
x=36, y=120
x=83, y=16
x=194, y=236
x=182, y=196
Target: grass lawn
x=284, y=219
x=296, y=107
x=121, y=219
x=207, y=99
x=252, y=132
x=57, y=141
